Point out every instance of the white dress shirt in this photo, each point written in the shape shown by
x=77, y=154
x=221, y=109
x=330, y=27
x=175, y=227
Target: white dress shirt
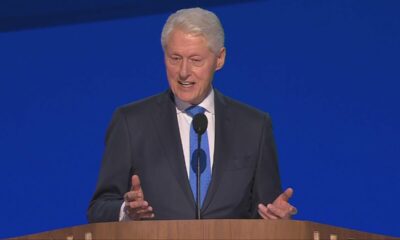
x=185, y=121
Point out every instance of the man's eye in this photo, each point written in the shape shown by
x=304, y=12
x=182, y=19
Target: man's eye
x=196, y=61
x=175, y=59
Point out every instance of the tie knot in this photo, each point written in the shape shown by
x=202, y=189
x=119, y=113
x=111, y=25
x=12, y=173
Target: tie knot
x=193, y=110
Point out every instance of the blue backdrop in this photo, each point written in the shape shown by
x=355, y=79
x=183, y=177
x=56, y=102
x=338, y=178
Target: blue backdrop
x=327, y=71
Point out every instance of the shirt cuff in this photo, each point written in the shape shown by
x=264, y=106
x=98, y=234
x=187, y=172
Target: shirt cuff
x=123, y=217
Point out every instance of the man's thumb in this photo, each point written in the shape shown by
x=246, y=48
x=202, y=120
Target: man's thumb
x=287, y=194
x=135, y=183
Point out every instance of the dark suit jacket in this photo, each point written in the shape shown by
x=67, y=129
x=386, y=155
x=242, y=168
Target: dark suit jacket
x=144, y=139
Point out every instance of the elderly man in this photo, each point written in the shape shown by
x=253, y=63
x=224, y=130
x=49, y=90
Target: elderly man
x=147, y=170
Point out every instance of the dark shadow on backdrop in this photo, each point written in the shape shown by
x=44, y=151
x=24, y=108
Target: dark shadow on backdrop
x=18, y=15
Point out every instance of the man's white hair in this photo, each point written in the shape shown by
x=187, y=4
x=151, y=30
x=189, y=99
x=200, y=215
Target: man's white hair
x=195, y=21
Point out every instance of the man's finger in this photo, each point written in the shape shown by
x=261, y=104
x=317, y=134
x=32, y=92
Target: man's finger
x=262, y=210
x=287, y=194
x=293, y=211
x=145, y=210
x=265, y=213
x=281, y=213
x=133, y=196
x=147, y=216
x=141, y=213
x=138, y=204
x=135, y=183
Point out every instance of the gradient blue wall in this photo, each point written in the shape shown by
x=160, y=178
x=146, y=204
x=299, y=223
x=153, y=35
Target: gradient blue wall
x=327, y=72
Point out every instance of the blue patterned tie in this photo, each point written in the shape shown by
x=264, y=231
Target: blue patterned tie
x=205, y=168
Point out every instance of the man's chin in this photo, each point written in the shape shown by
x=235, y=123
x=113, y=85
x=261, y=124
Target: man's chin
x=189, y=98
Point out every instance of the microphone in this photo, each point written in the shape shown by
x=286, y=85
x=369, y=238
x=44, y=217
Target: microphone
x=200, y=124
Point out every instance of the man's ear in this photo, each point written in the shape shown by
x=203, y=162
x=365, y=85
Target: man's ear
x=221, y=58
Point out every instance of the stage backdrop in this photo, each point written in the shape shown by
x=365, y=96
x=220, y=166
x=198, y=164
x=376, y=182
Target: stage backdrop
x=327, y=71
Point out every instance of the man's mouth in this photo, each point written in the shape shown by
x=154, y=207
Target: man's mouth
x=186, y=83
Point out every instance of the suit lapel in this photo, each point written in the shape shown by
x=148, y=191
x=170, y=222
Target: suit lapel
x=167, y=127
x=223, y=130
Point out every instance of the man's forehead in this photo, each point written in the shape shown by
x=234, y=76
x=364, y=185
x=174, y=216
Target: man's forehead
x=179, y=39
x=187, y=33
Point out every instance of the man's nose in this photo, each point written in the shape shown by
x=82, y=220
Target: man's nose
x=184, y=70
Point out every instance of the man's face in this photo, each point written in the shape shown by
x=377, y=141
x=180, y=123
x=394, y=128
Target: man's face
x=191, y=65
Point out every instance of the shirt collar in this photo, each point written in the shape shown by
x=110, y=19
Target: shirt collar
x=207, y=103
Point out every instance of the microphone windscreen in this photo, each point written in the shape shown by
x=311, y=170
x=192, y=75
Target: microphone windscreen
x=200, y=123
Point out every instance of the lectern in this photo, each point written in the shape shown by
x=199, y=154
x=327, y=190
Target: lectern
x=206, y=229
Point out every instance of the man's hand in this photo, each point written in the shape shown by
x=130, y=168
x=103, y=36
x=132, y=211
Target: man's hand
x=280, y=208
x=135, y=206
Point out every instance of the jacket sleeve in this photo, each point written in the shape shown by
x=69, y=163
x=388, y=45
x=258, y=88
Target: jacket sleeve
x=115, y=173
x=267, y=184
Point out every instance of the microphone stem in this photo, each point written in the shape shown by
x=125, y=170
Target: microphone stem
x=198, y=177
